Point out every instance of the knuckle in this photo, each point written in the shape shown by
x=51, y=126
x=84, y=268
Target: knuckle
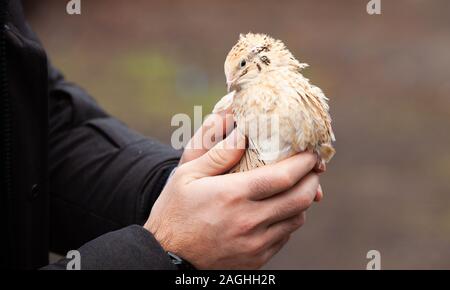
x=312, y=181
x=278, y=211
x=216, y=157
x=260, y=185
x=223, y=196
x=288, y=227
x=311, y=160
x=229, y=197
x=286, y=179
x=298, y=221
x=245, y=226
x=255, y=247
x=314, y=177
x=304, y=200
x=282, y=178
x=264, y=258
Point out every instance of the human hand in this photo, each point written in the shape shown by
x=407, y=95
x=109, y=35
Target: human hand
x=216, y=127
x=237, y=220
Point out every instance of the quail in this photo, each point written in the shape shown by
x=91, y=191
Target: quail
x=279, y=111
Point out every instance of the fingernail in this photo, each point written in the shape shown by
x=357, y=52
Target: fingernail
x=235, y=140
x=231, y=140
x=322, y=166
x=238, y=139
x=320, y=190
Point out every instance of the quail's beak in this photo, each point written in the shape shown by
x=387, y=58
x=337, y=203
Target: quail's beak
x=231, y=85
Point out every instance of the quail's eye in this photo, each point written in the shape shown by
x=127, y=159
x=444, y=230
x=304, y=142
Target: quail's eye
x=243, y=63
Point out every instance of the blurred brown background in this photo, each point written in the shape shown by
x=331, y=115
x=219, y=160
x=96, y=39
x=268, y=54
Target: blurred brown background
x=387, y=77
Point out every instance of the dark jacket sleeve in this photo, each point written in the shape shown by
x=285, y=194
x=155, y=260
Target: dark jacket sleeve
x=103, y=177
x=130, y=248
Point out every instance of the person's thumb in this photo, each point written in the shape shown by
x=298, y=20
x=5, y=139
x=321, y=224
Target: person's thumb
x=221, y=158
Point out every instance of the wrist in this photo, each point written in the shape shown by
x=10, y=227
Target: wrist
x=171, y=251
x=159, y=236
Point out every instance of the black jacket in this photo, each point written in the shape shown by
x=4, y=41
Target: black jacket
x=70, y=173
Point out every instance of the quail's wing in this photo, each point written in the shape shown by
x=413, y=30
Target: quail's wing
x=316, y=127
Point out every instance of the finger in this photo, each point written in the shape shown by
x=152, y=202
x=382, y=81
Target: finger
x=212, y=131
x=285, y=227
x=321, y=166
x=220, y=159
x=290, y=203
x=263, y=182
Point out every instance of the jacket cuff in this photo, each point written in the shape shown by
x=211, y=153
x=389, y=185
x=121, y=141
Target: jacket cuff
x=130, y=248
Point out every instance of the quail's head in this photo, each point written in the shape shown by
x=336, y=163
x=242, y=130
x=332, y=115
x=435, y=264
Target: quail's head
x=254, y=55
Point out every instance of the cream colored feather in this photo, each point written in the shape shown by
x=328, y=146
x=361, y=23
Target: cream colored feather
x=274, y=105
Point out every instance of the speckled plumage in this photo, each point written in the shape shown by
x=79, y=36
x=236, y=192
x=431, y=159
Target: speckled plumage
x=273, y=104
